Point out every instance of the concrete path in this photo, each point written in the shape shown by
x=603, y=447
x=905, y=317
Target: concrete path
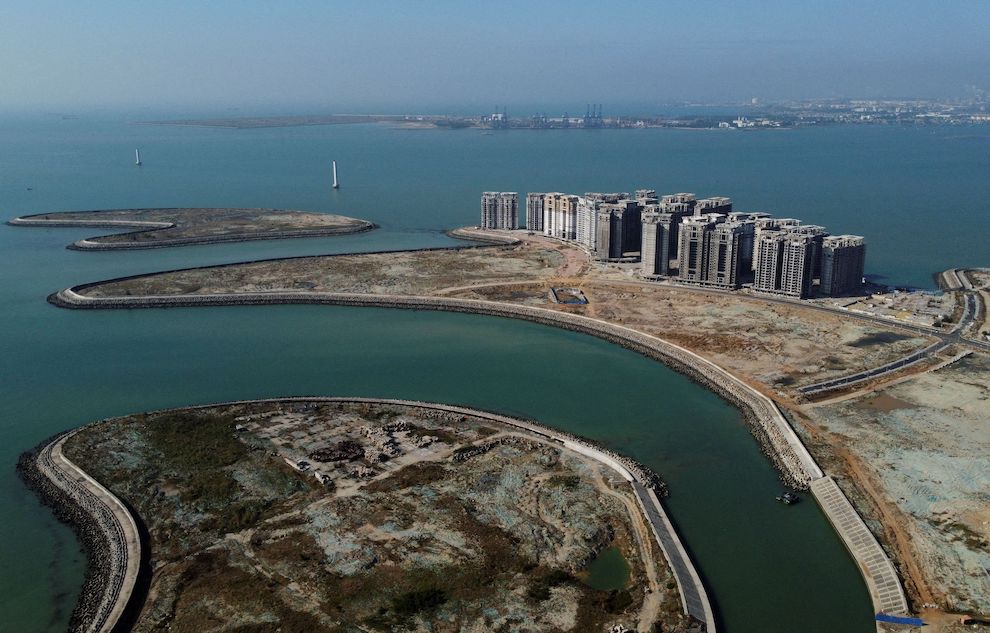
x=880, y=575
x=123, y=555
x=694, y=601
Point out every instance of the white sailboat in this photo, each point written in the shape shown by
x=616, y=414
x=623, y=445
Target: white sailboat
x=335, y=184
x=137, y=157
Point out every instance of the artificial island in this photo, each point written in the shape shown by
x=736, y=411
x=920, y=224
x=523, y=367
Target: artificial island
x=854, y=396
x=157, y=228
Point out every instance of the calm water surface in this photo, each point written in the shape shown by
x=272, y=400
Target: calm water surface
x=770, y=568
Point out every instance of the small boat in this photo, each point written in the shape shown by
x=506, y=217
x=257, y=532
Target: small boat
x=137, y=157
x=788, y=498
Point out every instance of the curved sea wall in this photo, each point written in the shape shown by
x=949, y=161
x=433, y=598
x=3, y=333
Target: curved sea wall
x=106, y=529
x=96, y=243
x=776, y=436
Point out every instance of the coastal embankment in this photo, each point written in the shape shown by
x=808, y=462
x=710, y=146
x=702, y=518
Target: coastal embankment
x=106, y=529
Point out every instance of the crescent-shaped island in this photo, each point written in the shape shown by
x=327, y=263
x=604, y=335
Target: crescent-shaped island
x=186, y=226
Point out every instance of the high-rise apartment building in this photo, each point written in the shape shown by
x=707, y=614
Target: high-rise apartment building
x=715, y=250
x=500, y=210
x=818, y=234
x=560, y=216
x=842, y=263
x=786, y=263
x=730, y=252
x=693, y=246
x=716, y=204
x=661, y=228
x=683, y=198
x=618, y=229
x=646, y=196
x=768, y=224
x=534, y=211
x=587, y=215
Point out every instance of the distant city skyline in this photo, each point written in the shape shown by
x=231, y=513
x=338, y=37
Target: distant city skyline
x=427, y=55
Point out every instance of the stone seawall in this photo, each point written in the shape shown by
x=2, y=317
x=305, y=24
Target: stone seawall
x=778, y=439
x=105, y=529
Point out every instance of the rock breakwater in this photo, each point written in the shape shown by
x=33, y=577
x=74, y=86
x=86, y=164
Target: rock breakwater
x=106, y=531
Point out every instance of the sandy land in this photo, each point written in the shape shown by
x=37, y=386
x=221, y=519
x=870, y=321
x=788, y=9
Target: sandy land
x=775, y=346
x=411, y=272
x=918, y=451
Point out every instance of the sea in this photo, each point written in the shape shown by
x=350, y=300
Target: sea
x=920, y=196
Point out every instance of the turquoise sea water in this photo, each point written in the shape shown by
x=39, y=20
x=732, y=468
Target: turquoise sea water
x=770, y=568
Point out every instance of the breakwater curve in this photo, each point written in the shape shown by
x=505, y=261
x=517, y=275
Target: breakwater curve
x=108, y=532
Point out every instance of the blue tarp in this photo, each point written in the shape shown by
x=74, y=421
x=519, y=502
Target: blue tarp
x=896, y=619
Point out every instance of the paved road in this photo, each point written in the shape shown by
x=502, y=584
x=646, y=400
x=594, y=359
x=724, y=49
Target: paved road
x=945, y=339
x=897, y=365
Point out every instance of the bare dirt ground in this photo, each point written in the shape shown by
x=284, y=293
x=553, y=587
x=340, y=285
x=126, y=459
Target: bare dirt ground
x=415, y=273
x=208, y=222
x=425, y=522
x=775, y=346
x=918, y=452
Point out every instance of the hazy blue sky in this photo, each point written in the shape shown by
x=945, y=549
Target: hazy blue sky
x=421, y=54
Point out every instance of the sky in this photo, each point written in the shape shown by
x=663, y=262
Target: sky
x=420, y=55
